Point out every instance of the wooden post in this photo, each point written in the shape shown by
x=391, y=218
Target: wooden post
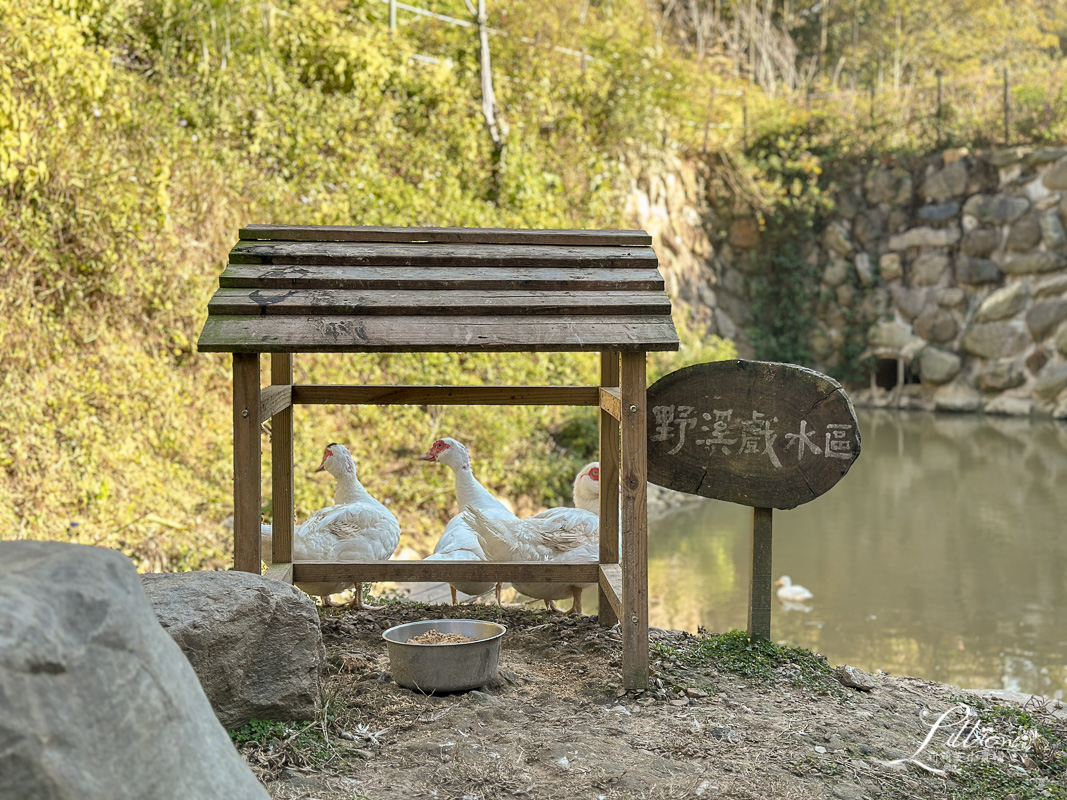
x=759, y=600
x=281, y=448
x=246, y=463
x=1007, y=109
x=634, y=523
x=392, y=15
x=609, y=483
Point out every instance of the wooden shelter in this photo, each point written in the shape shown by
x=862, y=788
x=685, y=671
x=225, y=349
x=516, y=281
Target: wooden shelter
x=299, y=289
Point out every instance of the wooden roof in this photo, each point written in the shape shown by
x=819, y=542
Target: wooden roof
x=298, y=288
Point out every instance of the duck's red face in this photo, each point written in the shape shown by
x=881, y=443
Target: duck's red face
x=435, y=450
x=326, y=455
x=594, y=473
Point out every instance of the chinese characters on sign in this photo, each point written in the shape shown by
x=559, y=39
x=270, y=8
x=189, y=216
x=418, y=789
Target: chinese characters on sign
x=720, y=432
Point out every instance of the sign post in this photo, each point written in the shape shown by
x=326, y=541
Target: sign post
x=758, y=433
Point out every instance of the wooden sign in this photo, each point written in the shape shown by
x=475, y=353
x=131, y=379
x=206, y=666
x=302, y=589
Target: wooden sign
x=757, y=433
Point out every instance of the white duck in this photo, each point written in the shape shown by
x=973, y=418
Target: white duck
x=356, y=528
x=459, y=541
x=788, y=592
x=559, y=535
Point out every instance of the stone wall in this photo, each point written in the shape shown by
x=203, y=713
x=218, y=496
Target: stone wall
x=957, y=262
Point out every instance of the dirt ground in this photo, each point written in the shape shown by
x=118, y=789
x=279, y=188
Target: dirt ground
x=557, y=725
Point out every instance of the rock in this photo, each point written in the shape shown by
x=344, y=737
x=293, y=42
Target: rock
x=845, y=295
x=924, y=237
x=863, y=268
x=995, y=340
x=1009, y=406
x=1045, y=316
x=888, y=186
x=945, y=183
x=941, y=212
x=937, y=325
x=869, y=226
x=848, y=205
x=985, y=178
x=1007, y=156
x=1056, y=178
x=950, y=297
x=977, y=270
x=889, y=267
x=1049, y=386
x=1046, y=155
x=1056, y=285
x=98, y=702
x=835, y=742
x=855, y=678
x=1003, y=303
x=890, y=335
x=980, y=242
x=255, y=643
x=909, y=301
x=929, y=268
x=957, y=397
x=937, y=366
x=1001, y=375
x=1024, y=235
x=1061, y=342
x=836, y=239
x=744, y=233
x=998, y=209
x=836, y=272
x=1053, y=233
x=1036, y=361
x=1039, y=261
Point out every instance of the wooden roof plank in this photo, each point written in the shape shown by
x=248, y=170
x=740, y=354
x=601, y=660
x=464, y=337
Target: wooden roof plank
x=350, y=233
x=289, y=276
x=275, y=302
x=443, y=255
x=327, y=334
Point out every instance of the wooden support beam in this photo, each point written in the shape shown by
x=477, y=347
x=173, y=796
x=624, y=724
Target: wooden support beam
x=759, y=598
x=611, y=586
x=448, y=395
x=451, y=571
x=611, y=401
x=280, y=572
x=275, y=399
x=634, y=554
x=246, y=463
x=281, y=447
x=609, y=479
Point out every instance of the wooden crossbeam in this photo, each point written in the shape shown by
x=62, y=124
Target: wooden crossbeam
x=611, y=586
x=274, y=399
x=446, y=395
x=451, y=571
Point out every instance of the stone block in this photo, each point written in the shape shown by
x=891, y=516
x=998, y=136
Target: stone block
x=937, y=366
x=1053, y=233
x=980, y=242
x=889, y=334
x=1056, y=178
x=929, y=268
x=836, y=239
x=995, y=340
x=836, y=272
x=890, y=267
x=950, y=297
x=909, y=301
x=1003, y=303
x=925, y=237
x=946, y=183
x=957, y=397
x=1000, y=376
x=891, y=186
x=1007, y=406
x=1036, y=262
x=975, y=271
x=1035, y=362
x=1024, y=235
x=1061, y=342
x=1045, y=316
x=869, y=226
x=942, y=212
x=935, y=324
x=998, y=209
x=864, y=271
x=1049, y=387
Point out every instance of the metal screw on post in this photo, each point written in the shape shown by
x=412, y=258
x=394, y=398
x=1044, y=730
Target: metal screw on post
x=633, y=619
x=244, y=413
x=633, y=409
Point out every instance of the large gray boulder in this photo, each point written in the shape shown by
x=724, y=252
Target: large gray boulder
x=96, y=701
x=255, y=643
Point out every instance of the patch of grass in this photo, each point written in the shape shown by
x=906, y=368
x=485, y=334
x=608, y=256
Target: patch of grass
x=268, y=742
x=759, y=660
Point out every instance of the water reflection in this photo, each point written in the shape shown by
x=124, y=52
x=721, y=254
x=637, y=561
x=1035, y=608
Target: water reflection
x=941, y=554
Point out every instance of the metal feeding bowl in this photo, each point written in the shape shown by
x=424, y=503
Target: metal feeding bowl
x=446, y=667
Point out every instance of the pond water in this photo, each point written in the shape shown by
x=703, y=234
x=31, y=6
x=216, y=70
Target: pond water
x=942, y=554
